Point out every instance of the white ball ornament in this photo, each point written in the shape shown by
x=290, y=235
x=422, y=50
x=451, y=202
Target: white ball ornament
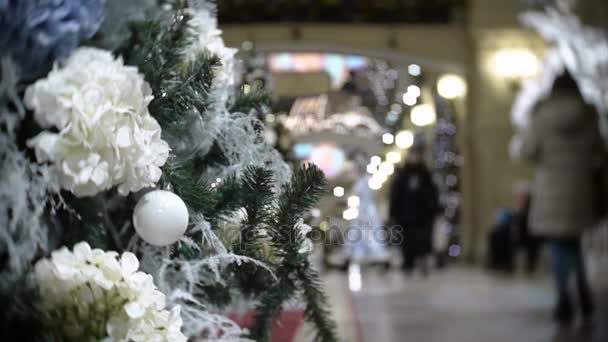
x=160, y=217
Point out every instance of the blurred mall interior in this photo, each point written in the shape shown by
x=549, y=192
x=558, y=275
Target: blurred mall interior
x=358, y=87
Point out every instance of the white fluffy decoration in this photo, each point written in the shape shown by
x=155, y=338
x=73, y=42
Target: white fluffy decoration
x=235, y=133
x=160, y=217
x=307, y=245
x=180, y=279
x=240, y=137
x=533, y=91
x=99, y=292
x=204, y=25
x=106, y=134
x=24, y=193
x=243, y=147
x=582, y=50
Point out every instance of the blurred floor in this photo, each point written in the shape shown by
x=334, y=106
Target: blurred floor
x=454, y=305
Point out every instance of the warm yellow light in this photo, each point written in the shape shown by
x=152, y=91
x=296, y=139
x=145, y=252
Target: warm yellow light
x=516, y=63
x=372, y=168
x=388, y=138
x=374, y=183
x=375, y=160
x=323, y=225
x=393, y=157
x=386, y=169
x=414, y=90
x=451, y=86
x=353, y=201
x=381, y=177
x=350, y=214
x=404, y=139
x=338, y=191
x=409, y=99
x=423, y=115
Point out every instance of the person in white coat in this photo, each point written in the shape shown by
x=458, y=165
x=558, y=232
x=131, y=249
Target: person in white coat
x=366, y=239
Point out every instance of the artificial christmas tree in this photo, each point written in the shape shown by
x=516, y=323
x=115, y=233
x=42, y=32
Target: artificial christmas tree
x=152, y=127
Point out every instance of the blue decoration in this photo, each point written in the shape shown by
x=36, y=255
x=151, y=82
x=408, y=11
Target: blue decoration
x=35, y=33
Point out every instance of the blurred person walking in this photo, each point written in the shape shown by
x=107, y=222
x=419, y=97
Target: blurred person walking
x=365, y=240
x=564, y=143
x=414, y=205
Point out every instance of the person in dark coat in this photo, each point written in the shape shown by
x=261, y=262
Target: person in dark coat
x=564, y=143
x=500, y=242
x=529, y=242
x=414, y=206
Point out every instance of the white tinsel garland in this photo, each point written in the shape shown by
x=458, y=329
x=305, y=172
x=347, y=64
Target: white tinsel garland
x=106, y=134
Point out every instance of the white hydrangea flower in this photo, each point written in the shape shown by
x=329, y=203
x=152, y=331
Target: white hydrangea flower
x=106, y=135
x=82, y=285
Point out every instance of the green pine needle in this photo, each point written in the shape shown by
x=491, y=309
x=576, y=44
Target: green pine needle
x=181, y=89
x=256, y=99
x=295, y=272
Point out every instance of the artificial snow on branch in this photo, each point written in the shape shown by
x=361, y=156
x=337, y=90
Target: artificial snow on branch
x=25, y=189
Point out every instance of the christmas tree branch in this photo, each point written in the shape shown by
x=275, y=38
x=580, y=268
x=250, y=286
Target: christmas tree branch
x=271, y=303
x=257, y=99
x=257, y=197
x=181, y=87
x=295, y=272
x=316, y=304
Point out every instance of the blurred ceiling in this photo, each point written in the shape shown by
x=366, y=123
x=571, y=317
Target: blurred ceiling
x=347, y=11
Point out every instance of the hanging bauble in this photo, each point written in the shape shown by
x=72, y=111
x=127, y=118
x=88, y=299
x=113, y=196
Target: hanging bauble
x=160, y=217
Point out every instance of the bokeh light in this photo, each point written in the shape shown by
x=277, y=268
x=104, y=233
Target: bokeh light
x=451, y=86
x=404, y=139
x=423, y=115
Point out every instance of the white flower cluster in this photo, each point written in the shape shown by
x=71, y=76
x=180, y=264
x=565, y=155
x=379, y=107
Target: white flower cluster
x=106, y=134
x=90, y=293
